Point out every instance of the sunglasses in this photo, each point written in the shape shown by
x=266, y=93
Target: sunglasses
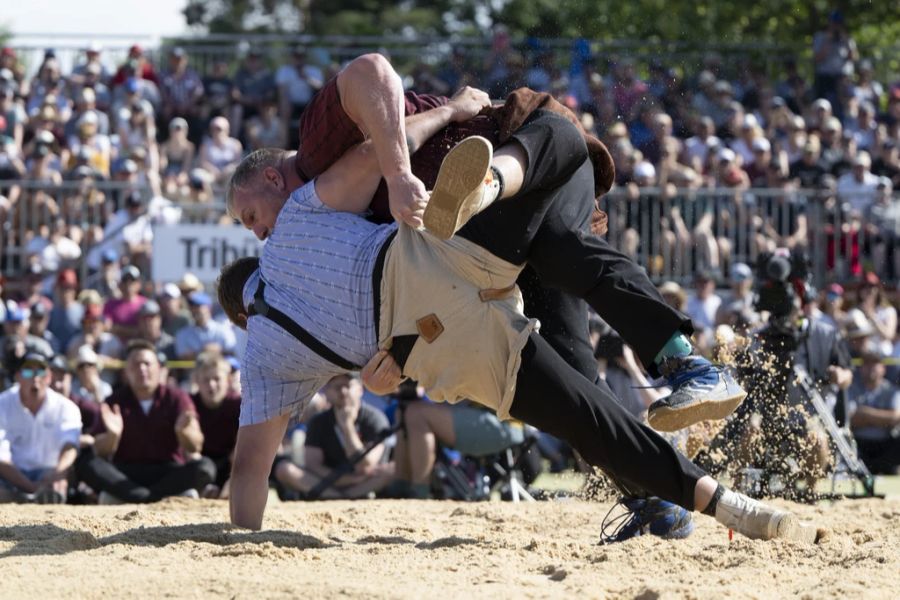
x=32, y=373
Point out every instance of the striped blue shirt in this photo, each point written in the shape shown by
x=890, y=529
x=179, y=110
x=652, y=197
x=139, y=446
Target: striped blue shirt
x=317, y=265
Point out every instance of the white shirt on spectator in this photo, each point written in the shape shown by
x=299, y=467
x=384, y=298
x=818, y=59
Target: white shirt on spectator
x=298, y=87
x=860, y=194
x=703, y=312
x=35, y=441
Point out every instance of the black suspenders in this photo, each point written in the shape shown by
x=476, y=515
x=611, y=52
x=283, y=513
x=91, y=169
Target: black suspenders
x=261, y=307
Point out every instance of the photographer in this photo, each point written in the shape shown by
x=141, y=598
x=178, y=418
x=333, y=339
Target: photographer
x=778, y=429
x=875, y=414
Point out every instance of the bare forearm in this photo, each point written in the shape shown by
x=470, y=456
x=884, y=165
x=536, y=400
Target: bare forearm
x=190, y=439
x=372, y=96
x=249, y=493
x=66, y=459
x=10, y=473
x=420, y=127
x=866, y=416
x=106, y=444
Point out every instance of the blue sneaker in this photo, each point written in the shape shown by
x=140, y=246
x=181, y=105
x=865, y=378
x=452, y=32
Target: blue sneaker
x=701, y=391
x=650, y=516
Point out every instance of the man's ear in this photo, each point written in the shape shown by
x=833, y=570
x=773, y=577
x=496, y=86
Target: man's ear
x=273, y=177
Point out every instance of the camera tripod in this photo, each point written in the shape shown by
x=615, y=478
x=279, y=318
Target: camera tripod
x=776, y=466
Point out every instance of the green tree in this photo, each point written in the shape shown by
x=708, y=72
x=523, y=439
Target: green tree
x=687, y=21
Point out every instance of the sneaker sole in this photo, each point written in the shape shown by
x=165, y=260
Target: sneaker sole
x=666, y=418
x=789, y=527
x=459, y=187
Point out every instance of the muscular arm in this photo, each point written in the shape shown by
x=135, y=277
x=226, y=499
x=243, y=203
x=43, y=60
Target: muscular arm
x=349, y=184
x=253, y=455
x=372, y=96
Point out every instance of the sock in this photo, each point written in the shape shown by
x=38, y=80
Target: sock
x=678, y=346
x=710, y=509
x=497, y=183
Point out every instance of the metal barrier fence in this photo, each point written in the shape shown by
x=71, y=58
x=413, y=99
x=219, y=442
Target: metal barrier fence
x=34, y=214
x=408, y=50
x=672, y=236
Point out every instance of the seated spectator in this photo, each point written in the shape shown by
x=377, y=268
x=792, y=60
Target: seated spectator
x=220, y=154
x=65, y=318
x=88, y=384
x=220, y=91
x=467, y=428
x=758, y=168
x=333, y=437
x=149, y=449
x=39, y=436
x=859, y=187
x=95, y=335
x=254, y=82
x=122, y=312
x=297, y=81
x=15, y=330
x=182, y=89
x=91, y=57
x=875, y=415
x=129, y=232
x=39, y=318
x=86, y=103
x=205, y=332
x=136, y=65
x=879, y=313
x=98, y=145
x=61, y=383
x=832, y=308
x=150, y=328
x=176, y=157
x=740, y=297
x=138, y=130
x=809, y=172
x=728, y=172
x=219, y=411
x=174, y=315
x=703, y=304
x=267, y=129
x=864, y=128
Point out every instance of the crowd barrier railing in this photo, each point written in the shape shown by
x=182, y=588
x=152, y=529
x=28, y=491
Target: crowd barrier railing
x=671, y=235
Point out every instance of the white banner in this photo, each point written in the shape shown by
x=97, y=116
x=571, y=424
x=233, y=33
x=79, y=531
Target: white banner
x=200, y=249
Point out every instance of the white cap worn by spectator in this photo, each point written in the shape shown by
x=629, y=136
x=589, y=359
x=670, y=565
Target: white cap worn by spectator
x=761, y=144
x=170, y=290
x=644, y=170
x=822, y=104
x=86, y=356
x=862, y=160
x=726, y=155
x=741, y=272
x=750, y=122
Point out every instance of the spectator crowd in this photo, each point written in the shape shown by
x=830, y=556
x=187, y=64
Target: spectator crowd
x=119, y=388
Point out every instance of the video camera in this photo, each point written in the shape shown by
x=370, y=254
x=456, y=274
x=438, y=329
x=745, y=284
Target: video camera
x=783, y=276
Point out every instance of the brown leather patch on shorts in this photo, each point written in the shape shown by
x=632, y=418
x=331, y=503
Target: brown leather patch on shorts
x=429, y=327
x=491, y=294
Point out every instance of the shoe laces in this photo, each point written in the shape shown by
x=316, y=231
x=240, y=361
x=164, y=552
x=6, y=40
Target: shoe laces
x=676, y=376
x=613, y=525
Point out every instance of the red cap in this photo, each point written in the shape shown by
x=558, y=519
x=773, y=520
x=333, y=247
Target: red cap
x=7, y=51
x=871, y=278
x=135, y=50
x=92, y=311
x=67, y=278
x=836, y=288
